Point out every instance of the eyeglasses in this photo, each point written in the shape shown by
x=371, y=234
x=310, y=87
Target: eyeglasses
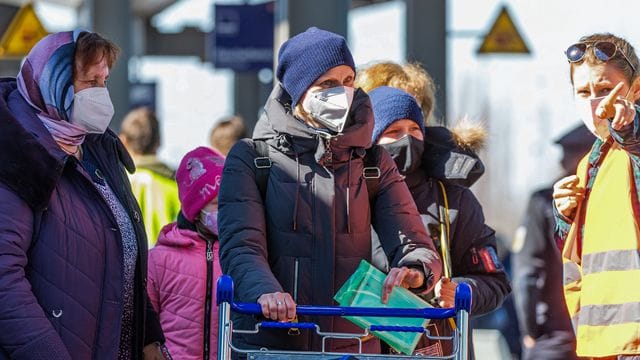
x=603, y=50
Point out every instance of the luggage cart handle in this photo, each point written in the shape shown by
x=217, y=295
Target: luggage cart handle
x=417, y=329
x=462, y=302
x=287, y=325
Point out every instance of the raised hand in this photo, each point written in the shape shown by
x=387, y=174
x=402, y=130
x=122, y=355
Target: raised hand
x=620, y=111
x=567, y=195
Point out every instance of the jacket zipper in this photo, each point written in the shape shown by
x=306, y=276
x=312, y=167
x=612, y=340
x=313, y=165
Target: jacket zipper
x=295, y=280
x=295, y=331
x=207, y=301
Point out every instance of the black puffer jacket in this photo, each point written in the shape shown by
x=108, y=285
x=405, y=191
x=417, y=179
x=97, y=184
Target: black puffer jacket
x=315, y=218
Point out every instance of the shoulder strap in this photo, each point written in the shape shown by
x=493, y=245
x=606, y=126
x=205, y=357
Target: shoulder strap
x=263, y=165
x=445, y=231
x=371, y=172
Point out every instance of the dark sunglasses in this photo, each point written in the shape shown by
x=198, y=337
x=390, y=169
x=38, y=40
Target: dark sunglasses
x=603, y=50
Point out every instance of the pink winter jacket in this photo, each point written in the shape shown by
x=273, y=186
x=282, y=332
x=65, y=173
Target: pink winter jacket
x=177, y=289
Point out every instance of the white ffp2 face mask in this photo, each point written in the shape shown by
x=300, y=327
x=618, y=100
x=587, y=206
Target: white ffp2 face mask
x=92, y=109
x=330, y=107
x=586, y=110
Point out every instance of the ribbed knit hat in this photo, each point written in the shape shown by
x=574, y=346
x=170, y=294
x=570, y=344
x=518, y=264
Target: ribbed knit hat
x=198, y=178
x=306, y=56
x=391, y=104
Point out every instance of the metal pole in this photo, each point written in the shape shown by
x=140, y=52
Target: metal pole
x=113, y=19
x=462, y=321
x=427, y=44
x=224, y=331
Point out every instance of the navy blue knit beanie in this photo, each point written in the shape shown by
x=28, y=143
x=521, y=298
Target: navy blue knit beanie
x=306, y=56
x=391, y=104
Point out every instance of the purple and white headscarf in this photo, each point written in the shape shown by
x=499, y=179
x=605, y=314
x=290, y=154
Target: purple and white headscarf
x=45, y=81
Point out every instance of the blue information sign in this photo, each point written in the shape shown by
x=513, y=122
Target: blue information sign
x=243, y=36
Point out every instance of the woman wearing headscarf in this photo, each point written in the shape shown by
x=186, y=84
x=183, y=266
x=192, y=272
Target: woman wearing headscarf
x=73, y=248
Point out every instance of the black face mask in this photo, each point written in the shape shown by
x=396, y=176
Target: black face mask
x=406, y=152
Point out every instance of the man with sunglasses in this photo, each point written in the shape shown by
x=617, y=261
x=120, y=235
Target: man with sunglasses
x=597, y=210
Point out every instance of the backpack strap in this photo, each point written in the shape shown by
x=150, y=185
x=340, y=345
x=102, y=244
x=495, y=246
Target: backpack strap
x=371, y=172
x=263, y=166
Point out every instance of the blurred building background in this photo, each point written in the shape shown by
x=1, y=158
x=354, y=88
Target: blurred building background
x=524, y=99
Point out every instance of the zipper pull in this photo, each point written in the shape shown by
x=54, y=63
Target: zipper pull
x=209, y=250
x=474, y=256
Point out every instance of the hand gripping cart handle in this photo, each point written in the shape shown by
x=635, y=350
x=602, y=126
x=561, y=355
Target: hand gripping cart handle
x=226, y=305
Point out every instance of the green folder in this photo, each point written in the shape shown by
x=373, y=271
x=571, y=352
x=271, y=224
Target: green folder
x=364, y=289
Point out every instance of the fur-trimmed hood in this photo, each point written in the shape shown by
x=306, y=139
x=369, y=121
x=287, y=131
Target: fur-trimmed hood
x=31, y=162
x=469, y=135
x=451, y=154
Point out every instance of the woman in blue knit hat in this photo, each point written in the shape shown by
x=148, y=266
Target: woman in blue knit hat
x=450, y=212
x=295, y=213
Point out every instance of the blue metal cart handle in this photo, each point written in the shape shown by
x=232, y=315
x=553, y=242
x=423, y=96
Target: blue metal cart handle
x=462, y=302
x=418, y=329
x=287, y=325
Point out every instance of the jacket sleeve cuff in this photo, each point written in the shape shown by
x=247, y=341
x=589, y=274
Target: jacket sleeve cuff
x=563, y=225
x=429, y=282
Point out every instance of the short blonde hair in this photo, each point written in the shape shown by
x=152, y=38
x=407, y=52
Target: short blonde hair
x=411, y=78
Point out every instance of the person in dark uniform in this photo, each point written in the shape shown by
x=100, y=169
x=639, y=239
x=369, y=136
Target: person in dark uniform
x=537, y=267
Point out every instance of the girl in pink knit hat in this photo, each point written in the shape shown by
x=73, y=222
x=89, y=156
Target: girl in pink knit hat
x=184, y=264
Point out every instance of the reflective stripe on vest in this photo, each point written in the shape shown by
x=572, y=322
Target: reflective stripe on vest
x=571, y=272
x=615, y=260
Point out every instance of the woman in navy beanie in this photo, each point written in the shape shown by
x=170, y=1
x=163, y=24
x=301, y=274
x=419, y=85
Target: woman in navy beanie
x=471, y=257
x=295, y=215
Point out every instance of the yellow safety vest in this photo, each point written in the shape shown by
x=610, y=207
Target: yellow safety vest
x=602, y=283
x=157, y=196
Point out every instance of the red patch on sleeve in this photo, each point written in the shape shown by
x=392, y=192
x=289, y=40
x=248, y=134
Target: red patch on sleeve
x=487, y=260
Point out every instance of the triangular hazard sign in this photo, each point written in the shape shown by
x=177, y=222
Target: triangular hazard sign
x=503, y=37
x=24, y=31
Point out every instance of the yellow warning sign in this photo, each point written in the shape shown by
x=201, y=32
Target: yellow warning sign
x=24, y=31
x=503, y=37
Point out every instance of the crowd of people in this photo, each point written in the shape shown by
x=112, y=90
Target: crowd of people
x=343, y=165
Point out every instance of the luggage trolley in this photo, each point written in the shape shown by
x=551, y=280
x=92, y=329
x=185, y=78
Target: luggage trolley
x=226, y=305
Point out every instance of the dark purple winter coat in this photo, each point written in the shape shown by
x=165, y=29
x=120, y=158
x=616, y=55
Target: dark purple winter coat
x=60, y=247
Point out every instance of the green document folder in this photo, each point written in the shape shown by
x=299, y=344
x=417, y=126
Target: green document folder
x=364, y=289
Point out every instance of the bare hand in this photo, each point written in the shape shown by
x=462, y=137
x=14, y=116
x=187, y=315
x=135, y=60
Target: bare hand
x=446, y=292
x=405, y=277
x=567, y=195
x=278, y=306
x=620, y=111
x=528, y=341
x=152, y=352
